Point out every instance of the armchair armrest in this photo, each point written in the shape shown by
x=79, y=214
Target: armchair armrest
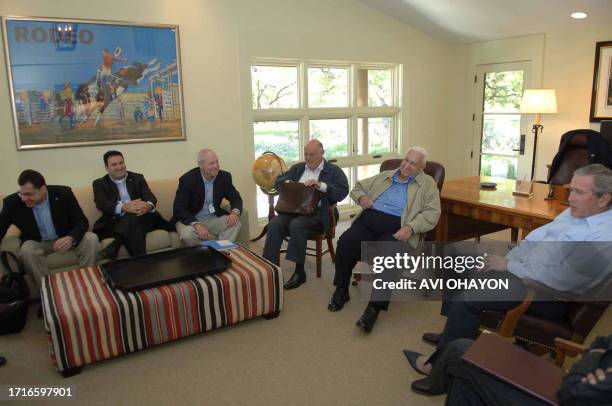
x=567, y=348
x=511, y=320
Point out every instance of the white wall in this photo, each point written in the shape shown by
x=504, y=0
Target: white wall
x=218, y=39
x=562, y=60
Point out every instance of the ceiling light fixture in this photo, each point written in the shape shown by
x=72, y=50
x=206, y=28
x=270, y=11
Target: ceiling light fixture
x=578, y=15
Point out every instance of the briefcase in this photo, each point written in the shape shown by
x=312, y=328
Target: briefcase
x=295, y=198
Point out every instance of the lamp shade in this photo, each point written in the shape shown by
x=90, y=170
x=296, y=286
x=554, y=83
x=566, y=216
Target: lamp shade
x=539, y=101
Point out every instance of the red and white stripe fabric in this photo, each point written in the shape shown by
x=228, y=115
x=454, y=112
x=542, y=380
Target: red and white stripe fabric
x=87, y=321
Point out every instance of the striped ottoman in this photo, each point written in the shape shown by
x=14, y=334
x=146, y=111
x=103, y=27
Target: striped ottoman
x=88, y=322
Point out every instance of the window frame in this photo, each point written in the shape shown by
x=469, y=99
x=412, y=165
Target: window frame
x=303, y=114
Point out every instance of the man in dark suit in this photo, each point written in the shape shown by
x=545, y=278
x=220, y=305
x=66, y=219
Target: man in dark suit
x=197, y=205
x=331, y=181
x=128, y=208
x=50, y=220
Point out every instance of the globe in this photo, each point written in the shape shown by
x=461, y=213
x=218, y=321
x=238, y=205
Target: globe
x=265, y=170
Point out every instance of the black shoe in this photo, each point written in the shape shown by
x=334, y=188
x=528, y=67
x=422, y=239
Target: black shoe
x=339, y=298
x=112, y=250
x=422, y=387
x=295, y=281
x=2, y=360
x=368, y=318
x=412, y=357
x=431, y=338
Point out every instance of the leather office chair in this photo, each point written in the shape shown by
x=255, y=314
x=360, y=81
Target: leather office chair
x=542, y=331
x=574, y=156
x=317, y=251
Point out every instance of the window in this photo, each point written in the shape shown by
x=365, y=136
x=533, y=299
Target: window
x=353, y=109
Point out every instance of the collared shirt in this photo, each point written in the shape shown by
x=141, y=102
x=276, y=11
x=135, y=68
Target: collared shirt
x=569, y=254
x=313, y=174
x=124, y=196
x=44, y=221
x=393, y=200
x=208, y=208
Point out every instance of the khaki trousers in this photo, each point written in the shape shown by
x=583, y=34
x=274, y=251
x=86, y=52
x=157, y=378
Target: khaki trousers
x=217, y=228
x=33, y=254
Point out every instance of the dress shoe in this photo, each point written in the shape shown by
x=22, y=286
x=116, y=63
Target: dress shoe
x=295, y=281
x=431, y=338
x=422, y=387
x=368, y=318
x=412, y=357
x=339, y=298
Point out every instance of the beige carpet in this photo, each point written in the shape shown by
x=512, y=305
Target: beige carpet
x=307, y=355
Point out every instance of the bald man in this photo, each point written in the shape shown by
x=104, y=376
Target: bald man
x=331, y=181
x=197, y=211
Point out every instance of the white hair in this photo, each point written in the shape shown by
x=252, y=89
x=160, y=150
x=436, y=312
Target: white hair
x=420, y=150
x=202, y=153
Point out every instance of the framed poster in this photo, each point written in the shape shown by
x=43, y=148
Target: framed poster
x=83, y=82
x=601, y=98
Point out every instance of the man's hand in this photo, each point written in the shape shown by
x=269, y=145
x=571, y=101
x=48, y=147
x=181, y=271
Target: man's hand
x=201, y=231
x=232, y=219
x=594, y=378
x=137, y=207
x=312, y=182
x=495, y=263
x=365, y=202
x=403, y=234
x=63, y=244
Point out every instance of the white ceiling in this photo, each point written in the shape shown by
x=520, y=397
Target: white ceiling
x=468, y=21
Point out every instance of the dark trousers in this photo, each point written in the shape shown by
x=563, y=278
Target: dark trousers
x=372, y=225
x=468, y=385
x=464, y=310
x=132, y=231
x=298, y=229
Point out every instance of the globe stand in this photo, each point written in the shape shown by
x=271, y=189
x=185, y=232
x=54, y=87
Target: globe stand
x=271, y=215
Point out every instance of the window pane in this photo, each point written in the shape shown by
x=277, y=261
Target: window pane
x=367, y=171
x=374, y=136
x=327, y=87
x=333, y=134
x=280, y=137
x=374, y=87
x=498, y=166
x=274, y=87
x=501, y=133
x=262, y=203
x=503, y=91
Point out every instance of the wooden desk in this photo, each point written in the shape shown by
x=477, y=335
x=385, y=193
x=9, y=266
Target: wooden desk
x=467, y=209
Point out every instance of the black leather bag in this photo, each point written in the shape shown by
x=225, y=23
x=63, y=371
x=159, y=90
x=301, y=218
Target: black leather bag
x=295, y=198
x=13, y=295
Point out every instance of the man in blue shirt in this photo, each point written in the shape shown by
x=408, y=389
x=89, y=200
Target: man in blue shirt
x=397, y=205
x=588, y=219
x=50, y=220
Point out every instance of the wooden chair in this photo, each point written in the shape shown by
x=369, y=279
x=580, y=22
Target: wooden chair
x=543, y=332
x=317, y=251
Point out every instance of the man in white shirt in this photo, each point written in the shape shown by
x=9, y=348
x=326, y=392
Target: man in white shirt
x=128, y=208
x=544, y=257
x=331, y=181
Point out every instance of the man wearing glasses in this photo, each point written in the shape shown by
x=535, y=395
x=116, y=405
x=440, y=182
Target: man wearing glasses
x=50, y=220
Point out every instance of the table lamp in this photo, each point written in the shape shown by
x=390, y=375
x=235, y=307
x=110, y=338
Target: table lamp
x=538, y=102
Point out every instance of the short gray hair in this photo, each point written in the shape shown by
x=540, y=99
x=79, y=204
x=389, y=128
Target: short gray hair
x=602, y=178
x=201, y=153
x=419, y=150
